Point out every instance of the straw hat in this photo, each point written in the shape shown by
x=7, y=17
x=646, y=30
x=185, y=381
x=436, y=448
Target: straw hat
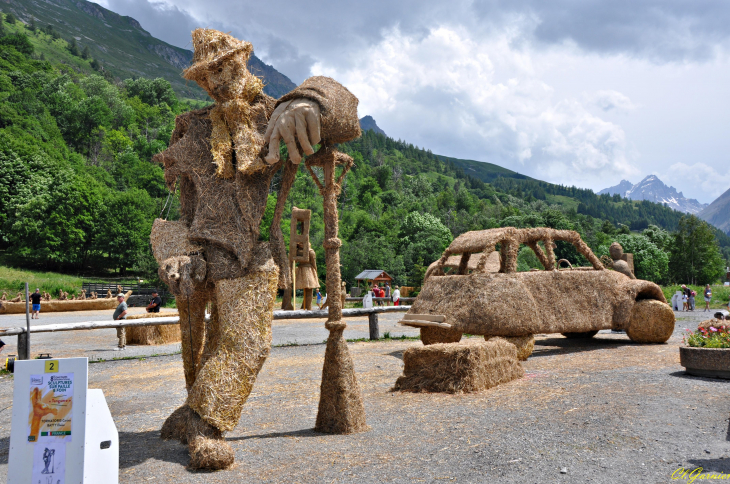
x=211, y=47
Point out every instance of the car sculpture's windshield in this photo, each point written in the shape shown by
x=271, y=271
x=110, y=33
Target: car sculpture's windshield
x=509, y=240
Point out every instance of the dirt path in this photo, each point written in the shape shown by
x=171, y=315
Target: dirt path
x=603, y=410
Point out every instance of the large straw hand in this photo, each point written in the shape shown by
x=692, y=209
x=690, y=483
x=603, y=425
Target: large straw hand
x=293, y=121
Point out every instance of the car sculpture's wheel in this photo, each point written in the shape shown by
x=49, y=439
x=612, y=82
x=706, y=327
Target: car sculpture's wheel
x=583, y=335
x=651, y=322
x=431, y=335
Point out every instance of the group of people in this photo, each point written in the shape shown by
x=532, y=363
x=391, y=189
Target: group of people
x=385, y=292
x=688, y=298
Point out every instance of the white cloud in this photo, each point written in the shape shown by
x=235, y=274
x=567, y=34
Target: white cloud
x=608, y=100
x=703, y=179
x=443, y=90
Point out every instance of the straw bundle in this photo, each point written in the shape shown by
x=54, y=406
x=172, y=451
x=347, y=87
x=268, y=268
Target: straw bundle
x=206, y=445
x=524, y=344
x=153, y=335
x=712, y=323
x=459, y=367
x=341, y=410
x=651, y=322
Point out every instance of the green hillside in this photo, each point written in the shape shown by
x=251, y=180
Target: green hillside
x=120, y=44
x=486, y=172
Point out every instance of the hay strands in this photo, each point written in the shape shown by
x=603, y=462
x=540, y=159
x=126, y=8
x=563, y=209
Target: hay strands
x=424, y=320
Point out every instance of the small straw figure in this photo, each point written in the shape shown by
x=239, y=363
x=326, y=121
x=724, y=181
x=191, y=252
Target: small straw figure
x=62, y=295
x=108, y=293
x=618, y=264
x=46, y=296
x=307, y=280
x=4, y=296
x=17, y=298
x=93, y=295
x=82, y=296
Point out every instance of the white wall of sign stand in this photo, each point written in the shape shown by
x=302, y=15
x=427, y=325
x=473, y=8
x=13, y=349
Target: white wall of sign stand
x=92, y=455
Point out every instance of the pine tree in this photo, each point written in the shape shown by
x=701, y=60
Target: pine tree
x=73, y=48
x=10, y=18
x=85, y=54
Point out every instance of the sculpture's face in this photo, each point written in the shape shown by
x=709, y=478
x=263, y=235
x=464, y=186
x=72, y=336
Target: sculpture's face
x=616, y=251
x=218, y=81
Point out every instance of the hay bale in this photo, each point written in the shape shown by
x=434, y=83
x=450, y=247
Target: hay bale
x=153, y=335
x=524, y=344
x=431, y=335
x=651, y=322
x=471, y=366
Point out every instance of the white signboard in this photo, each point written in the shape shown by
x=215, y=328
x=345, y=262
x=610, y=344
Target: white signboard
x=58, y=435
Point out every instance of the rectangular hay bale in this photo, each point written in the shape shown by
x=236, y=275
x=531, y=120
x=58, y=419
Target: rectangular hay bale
x=464, y=367
x=153, y=335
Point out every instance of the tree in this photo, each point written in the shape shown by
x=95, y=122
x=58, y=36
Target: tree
x=10, y=18
x=21, y=42
x=86, y=53
x=695, y=257
x=651, y=263
x=73, y=48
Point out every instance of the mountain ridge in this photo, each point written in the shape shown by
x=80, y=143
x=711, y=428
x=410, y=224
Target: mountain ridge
x=652, y=189
x=125, y=48
x=718, y=212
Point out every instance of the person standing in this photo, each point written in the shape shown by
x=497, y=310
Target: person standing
x=387, y=294
x=119, y=314
x=708, y=297
x=155, y=303
x=691, y=300
x=396, y=296
x=35, y=299
x=319, y=299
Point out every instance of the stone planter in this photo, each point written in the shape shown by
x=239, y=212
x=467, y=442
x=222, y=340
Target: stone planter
x=707, y=362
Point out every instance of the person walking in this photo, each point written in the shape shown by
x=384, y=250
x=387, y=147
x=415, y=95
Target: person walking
x=396, y=296
x=119, y=314
x=35, y=299
x=708, y=298
x=155, y=303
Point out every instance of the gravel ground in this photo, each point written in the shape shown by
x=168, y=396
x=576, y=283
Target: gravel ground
x=602, y=410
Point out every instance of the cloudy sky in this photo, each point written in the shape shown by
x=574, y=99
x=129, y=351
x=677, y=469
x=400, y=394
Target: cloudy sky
x=585, y=93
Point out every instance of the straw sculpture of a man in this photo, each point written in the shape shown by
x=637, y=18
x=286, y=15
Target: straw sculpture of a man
x=222, y=159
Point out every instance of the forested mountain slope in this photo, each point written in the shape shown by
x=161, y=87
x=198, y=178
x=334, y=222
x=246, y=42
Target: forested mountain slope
x=78, y=190
x=121, y=46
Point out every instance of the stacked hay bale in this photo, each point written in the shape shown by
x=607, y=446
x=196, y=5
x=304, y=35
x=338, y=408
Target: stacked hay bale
x=153, y=335
x=466, y=367
x=524, y=344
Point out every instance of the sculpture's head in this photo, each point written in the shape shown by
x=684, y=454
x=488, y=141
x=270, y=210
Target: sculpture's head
x=219, y=66
x=616, y=251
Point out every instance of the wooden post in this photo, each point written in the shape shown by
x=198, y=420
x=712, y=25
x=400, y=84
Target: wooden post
x=374, y=329
x=293, y=286
x=26, y=347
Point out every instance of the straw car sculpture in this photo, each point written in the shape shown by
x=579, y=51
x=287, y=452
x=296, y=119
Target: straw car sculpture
x=219, y=159
x=577, y=302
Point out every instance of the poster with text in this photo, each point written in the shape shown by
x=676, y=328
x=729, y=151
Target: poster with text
x=49, y=419
x=49, y=463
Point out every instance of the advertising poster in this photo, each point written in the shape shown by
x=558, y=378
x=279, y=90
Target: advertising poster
x=49, y=420
x=49, y=464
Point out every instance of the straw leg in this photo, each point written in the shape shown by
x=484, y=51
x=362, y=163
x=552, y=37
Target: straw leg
x=192, y=333
x=244, y=308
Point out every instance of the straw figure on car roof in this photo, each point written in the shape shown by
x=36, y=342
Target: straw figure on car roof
x=223, y=159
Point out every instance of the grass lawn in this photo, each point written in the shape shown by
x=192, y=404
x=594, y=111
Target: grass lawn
x=13, y=281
